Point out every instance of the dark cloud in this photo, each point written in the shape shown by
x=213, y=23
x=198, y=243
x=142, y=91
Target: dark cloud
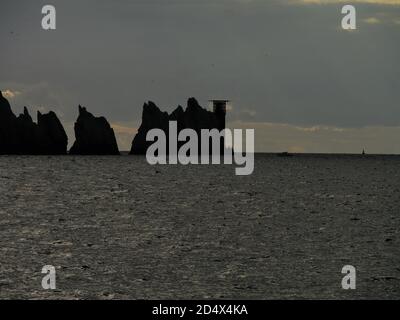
x=278, y=61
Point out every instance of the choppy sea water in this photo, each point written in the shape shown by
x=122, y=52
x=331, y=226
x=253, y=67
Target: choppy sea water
x=116, y=227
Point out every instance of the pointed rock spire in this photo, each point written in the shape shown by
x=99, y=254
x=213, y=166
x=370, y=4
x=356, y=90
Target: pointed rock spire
x=20, y=135
x=94, y=135
x=194, y=117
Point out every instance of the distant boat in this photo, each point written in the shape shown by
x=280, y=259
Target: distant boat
x=363, y=152
x=284, y=154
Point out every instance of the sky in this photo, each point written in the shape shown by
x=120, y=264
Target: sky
x=291, y=72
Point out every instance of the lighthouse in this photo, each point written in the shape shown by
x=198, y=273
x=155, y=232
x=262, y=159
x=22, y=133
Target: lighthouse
x=219, y=109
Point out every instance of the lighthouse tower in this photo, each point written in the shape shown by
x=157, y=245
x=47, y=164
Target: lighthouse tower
x=219, y=108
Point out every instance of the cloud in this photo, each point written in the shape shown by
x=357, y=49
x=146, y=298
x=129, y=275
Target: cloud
x=378, y=2
x=123, y=130
x=319, y=129
x=124, y=134
x=277, y=62
x=383, y=18
x=40, y=96
x=10, y=94
x=278, y=137
x=372, y=20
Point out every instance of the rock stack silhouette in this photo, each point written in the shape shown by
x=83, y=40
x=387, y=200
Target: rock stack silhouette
x=20, y=135
x=194, y=117
x=94, y=135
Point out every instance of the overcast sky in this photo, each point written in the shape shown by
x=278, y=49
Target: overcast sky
x=290, y=70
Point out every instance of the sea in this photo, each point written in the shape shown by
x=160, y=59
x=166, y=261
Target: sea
x=115, y=227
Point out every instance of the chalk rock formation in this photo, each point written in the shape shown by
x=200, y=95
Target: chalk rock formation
x=53, y=139
x=8, y=131
x=94, y=135
x=198, y=118
x=20, y=135
x=27, y=134
x=194, y=117
x=152, y=117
